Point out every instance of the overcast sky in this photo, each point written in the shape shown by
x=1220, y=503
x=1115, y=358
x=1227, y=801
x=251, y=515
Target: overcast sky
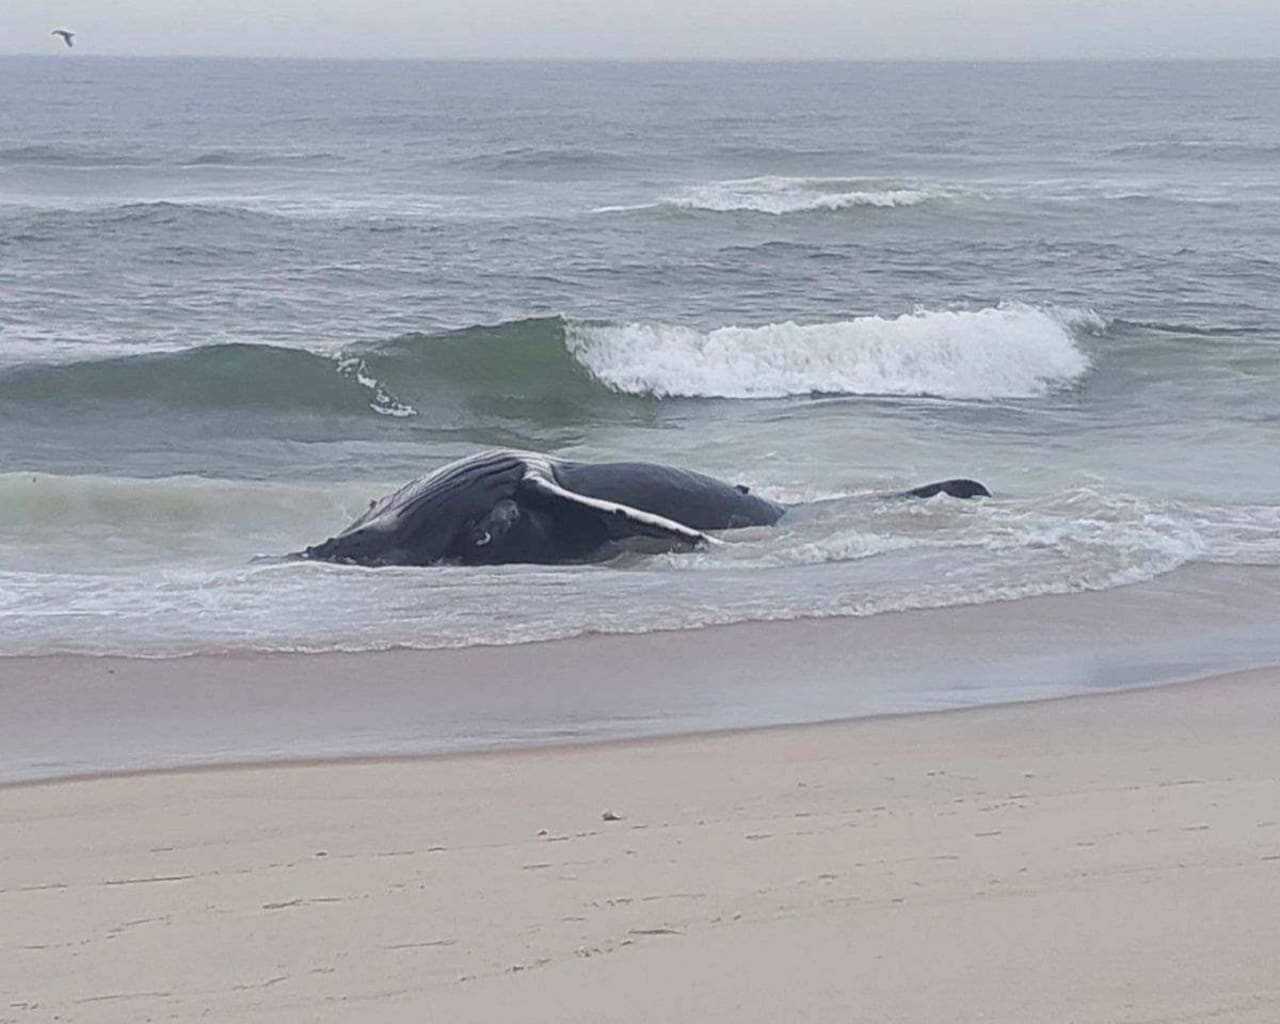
x=651, y=29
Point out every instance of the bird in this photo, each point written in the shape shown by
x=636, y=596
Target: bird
x=66, y=36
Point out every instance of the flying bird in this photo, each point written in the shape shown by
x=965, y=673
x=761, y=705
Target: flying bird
x=66, y=36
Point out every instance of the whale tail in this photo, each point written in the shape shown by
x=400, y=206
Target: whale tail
x=958, y=488
x=290, y=556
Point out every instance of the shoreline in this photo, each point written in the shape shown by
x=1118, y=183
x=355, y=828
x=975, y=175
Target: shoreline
x=1108, y=857
x=516, y=750
x=67, y=716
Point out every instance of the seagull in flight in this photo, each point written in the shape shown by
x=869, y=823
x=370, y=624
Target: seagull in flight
x=66, y=36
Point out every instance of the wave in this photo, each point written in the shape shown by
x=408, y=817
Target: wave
x=68, y=155
x=1203, y=150
x=519, y=370
x=1193, y=330
x=778, y=196
x=551, y=370
x=765, y=151
x=258, y=158
x=540, y=158
x=167, y=212
x=285, y=212
x=194, y=216
x=1130, y=191
x=230, y=376
x=1008, y=351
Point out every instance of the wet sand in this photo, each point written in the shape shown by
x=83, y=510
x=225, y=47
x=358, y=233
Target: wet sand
x=1103, y=858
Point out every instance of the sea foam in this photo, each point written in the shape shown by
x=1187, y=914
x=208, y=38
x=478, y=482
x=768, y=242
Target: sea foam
x=778, y=195
x=1008, y=351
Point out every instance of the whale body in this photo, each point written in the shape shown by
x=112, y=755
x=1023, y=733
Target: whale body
x=505, y=506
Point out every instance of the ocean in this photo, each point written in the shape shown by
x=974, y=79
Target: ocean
x=241, y=298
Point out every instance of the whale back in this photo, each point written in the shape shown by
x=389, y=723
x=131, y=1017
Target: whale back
x=697, y=501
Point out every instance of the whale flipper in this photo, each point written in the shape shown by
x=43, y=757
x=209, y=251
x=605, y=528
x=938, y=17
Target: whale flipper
x=632, y=520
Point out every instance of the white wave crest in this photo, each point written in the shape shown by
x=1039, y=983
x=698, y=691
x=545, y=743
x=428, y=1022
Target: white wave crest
x=1008, y=351
x=384, y=402
x=779, y=195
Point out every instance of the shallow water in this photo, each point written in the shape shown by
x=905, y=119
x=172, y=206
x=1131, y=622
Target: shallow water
x=73, y=716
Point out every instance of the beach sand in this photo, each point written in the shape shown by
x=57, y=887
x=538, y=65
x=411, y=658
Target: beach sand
x=1111, y=858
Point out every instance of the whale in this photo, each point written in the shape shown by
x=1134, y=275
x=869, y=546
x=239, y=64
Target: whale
x=507, y=506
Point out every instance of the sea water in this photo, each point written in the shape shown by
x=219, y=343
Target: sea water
x=239, y=299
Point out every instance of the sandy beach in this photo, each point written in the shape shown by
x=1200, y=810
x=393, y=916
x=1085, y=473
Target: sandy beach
x=1100, y=858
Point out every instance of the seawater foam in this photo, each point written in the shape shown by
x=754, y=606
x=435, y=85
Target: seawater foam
x=384, y=403
x=779, y=195
x=1081, y=539
x=863, y=558
x=1007, y=351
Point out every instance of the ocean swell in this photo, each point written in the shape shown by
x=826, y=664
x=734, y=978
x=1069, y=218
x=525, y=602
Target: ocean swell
x=232, y=376
x=69, y=155
x=539, y=159
x=553, y=370
x=66, y=156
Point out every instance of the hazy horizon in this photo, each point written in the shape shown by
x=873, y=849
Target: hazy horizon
x=427, y=59
x=701, y=30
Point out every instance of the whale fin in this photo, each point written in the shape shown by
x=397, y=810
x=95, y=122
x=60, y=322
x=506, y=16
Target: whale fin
x=961, y=488
x=647, y=523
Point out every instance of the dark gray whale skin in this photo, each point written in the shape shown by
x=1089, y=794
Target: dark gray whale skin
x=958, y=488
x=501, y=507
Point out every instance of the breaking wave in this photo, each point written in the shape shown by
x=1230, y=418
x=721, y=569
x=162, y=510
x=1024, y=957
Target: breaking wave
x=554, y=370
x=1008, y=351
x=781, y=195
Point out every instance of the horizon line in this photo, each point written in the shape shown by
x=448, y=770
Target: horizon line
x=1097, y=59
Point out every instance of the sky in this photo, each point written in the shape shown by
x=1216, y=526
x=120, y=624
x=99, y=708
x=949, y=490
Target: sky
x=652, y=29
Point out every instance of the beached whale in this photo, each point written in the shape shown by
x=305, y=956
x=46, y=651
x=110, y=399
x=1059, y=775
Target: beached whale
x=512, y=506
